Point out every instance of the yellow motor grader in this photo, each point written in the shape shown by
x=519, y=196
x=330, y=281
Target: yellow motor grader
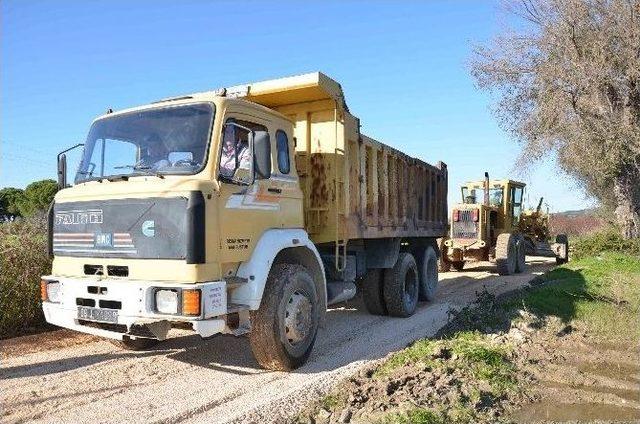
x=491, y=224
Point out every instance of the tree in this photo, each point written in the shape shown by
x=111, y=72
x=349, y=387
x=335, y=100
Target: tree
x=568, y=82
x=37, y=197
x=9, y=198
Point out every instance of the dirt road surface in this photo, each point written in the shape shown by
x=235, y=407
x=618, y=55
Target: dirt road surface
x=57, y=377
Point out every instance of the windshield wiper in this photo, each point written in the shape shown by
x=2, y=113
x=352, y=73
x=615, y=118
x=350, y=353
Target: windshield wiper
x=143, y=168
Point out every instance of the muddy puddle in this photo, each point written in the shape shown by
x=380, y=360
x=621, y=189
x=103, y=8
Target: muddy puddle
x=552, y=411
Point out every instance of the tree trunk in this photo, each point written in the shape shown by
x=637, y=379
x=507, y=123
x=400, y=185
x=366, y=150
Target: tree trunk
x=626, y=189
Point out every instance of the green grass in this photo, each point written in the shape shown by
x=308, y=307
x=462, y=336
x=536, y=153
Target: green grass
x=601, y=293
x=474, y=354
x=415, y=416
x=331, y=401
x=458, y=413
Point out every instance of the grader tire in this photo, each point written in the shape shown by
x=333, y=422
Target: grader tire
x=506, y=254
x=521, y=262
x=135, y=344
x=401, y=286
x=443, y=263
x=372, y=292
x=285, y=326
x=562, y=238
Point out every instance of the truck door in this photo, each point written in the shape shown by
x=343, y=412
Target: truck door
x=247, y=205
x=284, y=182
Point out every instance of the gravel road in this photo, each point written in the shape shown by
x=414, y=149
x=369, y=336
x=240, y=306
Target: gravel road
x=57, y=377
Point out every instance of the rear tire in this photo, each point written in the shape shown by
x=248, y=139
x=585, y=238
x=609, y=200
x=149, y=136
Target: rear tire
x=372, y=292
x=401, y=286
x=135, y=344
x=428, y=273
x=521, y=262
x=458, y=265
x=506, y=254
x=285, y=326
x=563, y=239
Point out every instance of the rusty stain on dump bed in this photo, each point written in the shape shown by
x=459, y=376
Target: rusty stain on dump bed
x=319, y=191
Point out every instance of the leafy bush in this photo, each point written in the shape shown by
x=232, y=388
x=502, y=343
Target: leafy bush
x=608, y=239
x=23, y=259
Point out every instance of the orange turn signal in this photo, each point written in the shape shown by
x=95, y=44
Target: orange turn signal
x=43, y=290
x=191, y=302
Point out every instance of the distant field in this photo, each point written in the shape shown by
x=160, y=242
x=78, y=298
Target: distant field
x=576, y=223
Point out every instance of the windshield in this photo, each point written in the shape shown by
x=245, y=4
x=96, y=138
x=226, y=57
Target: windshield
x=168, y=140
x=476, y=195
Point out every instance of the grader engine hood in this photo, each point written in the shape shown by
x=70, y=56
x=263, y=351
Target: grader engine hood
x=148, y=228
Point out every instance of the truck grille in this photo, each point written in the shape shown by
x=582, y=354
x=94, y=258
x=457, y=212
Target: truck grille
x=465, y=227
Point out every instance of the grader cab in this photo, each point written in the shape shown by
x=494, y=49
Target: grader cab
x=491, y=224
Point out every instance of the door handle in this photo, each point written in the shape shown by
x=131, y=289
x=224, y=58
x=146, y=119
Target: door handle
x=274, y=190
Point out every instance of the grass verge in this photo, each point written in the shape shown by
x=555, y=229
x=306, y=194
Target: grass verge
x=477, y=368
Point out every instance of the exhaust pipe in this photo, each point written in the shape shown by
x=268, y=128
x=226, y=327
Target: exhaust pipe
x=486, y=189
x=539, y=208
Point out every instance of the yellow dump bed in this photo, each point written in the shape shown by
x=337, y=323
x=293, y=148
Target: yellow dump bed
x=355, y=187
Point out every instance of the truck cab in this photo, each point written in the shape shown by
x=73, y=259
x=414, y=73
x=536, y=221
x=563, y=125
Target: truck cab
x=167, y=202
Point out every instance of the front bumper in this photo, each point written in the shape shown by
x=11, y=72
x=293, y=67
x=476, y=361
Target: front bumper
x=464, y=244
x=135, y=304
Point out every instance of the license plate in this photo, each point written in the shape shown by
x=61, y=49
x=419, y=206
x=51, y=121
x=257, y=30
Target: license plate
x=97, y=314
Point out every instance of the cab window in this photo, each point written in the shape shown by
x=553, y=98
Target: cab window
x=516, y=203
x=236, y=156
x=282, y=143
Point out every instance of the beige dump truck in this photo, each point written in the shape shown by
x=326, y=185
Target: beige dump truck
x=242, y=210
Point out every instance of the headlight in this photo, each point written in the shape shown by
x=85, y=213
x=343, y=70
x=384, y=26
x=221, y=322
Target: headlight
x=53, y=292
x=167, y=301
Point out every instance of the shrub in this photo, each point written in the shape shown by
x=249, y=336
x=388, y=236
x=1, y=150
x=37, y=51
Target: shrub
x=608, y=239
x=23, y=259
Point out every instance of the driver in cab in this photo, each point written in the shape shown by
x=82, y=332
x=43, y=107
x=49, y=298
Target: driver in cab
x=235, y=154
x=156, y=156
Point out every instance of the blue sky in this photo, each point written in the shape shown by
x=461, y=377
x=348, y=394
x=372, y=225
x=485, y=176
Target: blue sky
x=401, y=64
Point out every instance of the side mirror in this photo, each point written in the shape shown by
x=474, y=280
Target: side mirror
x=62, y=171
x=261, y=155
x=62, y=166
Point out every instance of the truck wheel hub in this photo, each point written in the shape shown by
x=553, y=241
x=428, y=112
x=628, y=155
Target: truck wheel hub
x=297, y=319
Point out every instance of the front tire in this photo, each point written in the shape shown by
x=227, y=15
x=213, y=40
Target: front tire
x=443, y=262
x=285, y=326
x=401, y=286
x=506, y=254
x=521, y=261
x=563, y=239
